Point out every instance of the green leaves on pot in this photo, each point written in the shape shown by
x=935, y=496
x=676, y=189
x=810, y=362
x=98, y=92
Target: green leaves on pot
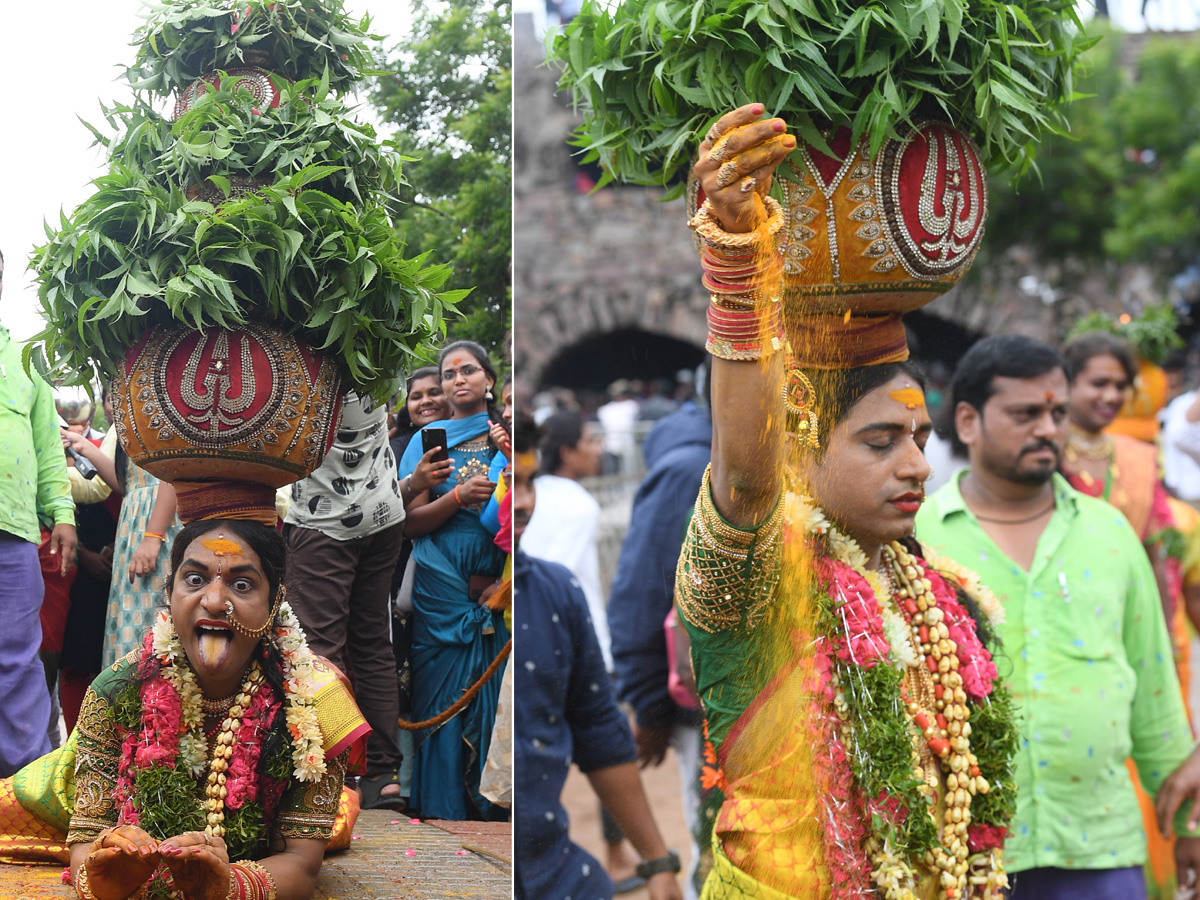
x=1154, y=333
x=138, y=253
x=234, y=213
x=653, y=75
x=224, y=135
x=298, y=39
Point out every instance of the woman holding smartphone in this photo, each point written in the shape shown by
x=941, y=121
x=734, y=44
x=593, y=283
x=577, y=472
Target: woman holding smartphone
x=455, y=638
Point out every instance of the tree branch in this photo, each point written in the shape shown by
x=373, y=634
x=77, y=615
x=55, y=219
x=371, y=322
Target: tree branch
x=431, y=208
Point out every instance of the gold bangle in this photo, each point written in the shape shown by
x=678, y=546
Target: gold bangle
x=82, y=888
x=705, y=224
x=727, y=576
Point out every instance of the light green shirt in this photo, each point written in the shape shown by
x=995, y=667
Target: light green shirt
x=1090, y=668
x=33, y=466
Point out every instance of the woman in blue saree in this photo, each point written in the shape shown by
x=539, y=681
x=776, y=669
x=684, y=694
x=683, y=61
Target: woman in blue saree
x=455, y=638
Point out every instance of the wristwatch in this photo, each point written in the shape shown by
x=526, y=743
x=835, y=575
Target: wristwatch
x=650, y=867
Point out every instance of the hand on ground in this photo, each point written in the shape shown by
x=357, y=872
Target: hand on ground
x=126, y=857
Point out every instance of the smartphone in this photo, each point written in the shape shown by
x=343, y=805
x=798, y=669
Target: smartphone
x=83, y=465
x=434, y=437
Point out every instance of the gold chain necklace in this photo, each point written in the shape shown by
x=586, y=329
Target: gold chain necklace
x=1081, y=445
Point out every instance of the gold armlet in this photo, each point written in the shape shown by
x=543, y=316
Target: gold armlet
x=726, y=575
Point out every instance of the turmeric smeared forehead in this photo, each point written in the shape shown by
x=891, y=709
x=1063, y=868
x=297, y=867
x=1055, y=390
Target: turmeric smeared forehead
x=224, y=547
x=909, y=396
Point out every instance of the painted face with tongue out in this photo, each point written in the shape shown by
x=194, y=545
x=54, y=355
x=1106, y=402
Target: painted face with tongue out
x=219, y=579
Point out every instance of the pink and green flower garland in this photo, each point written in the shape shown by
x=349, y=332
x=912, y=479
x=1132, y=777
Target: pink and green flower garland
x=866, y=771
x=165, y=754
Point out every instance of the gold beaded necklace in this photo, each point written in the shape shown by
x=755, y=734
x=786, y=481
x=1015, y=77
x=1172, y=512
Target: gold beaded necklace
x=944, y=728
x=214, y=804
x=1081, y=445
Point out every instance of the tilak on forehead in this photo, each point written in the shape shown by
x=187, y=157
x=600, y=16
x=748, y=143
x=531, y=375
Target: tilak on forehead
x=222, y=547
x=909, y=396
x=912, y=399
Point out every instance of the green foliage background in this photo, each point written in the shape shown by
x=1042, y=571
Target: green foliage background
x=1100, y=196
x=447, y=88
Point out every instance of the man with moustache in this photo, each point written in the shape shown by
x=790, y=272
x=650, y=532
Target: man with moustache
x=566, y=712
x=1083, y=631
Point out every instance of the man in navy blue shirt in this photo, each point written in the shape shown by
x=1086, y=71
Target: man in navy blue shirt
x=566, y=712
x=677, y=451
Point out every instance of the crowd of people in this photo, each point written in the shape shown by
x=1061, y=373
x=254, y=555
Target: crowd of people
x=871, y=687
x=394, y=550
x=1033, y=430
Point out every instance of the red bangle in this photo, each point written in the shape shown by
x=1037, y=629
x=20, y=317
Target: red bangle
x=744, y=334
x=250, y=881
x=457, y=498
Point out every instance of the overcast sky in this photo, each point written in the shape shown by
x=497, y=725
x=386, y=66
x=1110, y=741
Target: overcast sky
x=57, y=62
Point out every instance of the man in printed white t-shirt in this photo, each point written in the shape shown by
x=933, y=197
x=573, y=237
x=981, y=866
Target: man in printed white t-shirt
x=343, y=531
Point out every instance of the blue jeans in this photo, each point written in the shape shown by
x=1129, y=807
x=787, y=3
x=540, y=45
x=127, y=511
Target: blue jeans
x=1078, y=884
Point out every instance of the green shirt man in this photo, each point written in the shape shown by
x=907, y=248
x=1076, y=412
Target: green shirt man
x=33, y=481
x=1084, y=636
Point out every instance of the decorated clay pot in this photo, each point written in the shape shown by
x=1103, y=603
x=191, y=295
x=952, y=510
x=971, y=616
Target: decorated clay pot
x=867, y=239
x=882, y=235
x=252, y=405
x=257, y=82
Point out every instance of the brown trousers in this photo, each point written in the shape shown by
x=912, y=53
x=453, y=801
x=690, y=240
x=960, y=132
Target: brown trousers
x=340, y=592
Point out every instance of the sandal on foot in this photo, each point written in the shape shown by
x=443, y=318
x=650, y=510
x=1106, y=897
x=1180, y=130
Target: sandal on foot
x=372, y=792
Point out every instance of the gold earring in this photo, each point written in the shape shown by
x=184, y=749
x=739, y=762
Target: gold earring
x=798, y=401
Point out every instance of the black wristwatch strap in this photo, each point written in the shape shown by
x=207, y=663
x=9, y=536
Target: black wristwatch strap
x=651, y=867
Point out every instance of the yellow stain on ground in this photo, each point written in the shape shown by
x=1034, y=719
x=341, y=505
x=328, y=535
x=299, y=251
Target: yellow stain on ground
x=33, y=882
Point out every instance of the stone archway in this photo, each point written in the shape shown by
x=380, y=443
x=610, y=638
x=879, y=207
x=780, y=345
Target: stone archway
x=596, y=361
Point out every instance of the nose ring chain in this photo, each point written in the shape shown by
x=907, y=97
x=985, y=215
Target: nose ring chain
x=256, y=632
